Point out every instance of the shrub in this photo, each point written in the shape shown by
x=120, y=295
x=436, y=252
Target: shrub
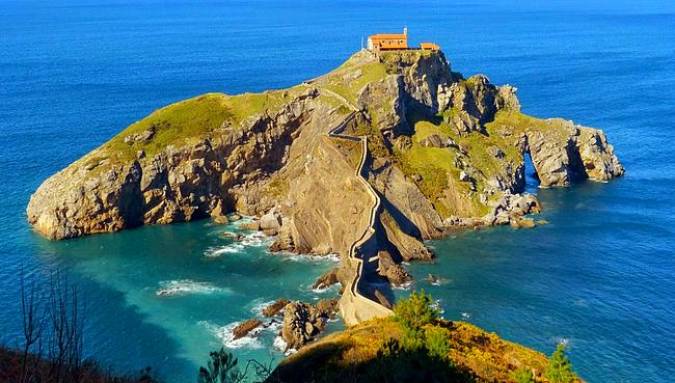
x=415, y=311
x=413, y=340
x=222, y=368
x=437, y=342
x=522, y=375
x=559, y=367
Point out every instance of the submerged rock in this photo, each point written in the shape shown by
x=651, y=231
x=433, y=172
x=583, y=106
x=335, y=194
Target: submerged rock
x=520, y=223
x=231, y=235
x=382, y=299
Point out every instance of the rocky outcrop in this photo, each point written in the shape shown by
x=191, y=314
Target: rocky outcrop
x=386, y=100
x=475, y=102
x=392, y=271
x=176, y=184
x=510, y=208
x=597, y=155
x=422, y=76
x=303, y=322
x=570, y=153
x=275, y=308
x=245, y=327
x=326, y=280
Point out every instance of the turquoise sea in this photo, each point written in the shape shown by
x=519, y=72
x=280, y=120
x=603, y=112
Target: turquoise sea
x=601, y=275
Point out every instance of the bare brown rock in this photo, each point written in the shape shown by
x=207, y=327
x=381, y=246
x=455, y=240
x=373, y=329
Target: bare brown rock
x=326, y=280
x=274, y=308
x=245, y=327
x=393, y=272
x=303, y=322
x=382, y=299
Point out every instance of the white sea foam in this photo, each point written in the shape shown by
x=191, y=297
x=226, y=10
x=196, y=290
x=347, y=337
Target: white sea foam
x=437, y=305
x=404, y=286
x=255, y=239
x=215, y=252
x=274, y=326
x=437, y=281
x=466, y=315
x=259, y=305
x=310, y=257
x=333, y=287
x=187, y=286
x=280, y=344
x=225, y=335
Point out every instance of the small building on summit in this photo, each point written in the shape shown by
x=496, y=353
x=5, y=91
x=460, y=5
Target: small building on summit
x=396, y=41
x=430, y=47
x=388, y=41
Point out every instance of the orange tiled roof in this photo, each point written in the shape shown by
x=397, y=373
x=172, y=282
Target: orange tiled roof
x=388, y=36
x=431, y=46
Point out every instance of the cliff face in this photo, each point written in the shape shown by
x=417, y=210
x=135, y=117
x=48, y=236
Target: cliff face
x=442, y=151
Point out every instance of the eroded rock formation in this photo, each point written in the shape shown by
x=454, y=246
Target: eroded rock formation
x=303, y=322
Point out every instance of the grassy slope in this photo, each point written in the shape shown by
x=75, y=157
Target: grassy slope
x=437, y=165
x=351, y=355
x=188, y=121
x=350, y=77
x=517, y=123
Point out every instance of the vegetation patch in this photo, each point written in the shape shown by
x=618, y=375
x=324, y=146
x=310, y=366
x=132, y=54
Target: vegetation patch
x=193, y=119
x=351, y=77
x=511, y=123
x=416, y=345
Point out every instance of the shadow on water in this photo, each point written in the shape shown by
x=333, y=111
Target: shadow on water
x=165, y=296
x=118, y=333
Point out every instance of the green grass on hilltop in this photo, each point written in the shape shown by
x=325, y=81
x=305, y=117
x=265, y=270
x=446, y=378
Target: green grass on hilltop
x=517, y=123
x=193, y=119
x=348, y=82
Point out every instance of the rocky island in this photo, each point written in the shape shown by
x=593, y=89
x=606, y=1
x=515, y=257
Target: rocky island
x=388, y=150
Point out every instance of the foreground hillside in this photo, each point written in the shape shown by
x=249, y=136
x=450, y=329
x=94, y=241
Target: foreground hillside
x=415, y=345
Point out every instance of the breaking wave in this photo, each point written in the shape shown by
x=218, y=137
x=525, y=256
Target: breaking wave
x=259, y=305
x=334, y=287
x=403, y=286
x=255, y=239
x=226, y=337
x=187, y=286
x=332, y=257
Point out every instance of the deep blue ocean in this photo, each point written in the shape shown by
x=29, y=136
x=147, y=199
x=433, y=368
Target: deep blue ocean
x=600, y=276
